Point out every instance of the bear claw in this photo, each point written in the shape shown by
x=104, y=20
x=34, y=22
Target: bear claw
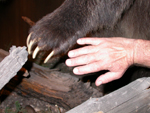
x=28, y=38
x=49, y=56
x=35, y=52
x=30, y=44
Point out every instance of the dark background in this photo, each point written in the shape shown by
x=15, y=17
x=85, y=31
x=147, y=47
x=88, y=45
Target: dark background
x=13, y=29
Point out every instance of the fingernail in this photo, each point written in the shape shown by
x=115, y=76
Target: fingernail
x=79, y=41
x=70, y=54
x=68, y=62
x=75, y=70
x=98, y=83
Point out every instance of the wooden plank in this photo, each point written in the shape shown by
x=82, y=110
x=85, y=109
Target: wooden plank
x=12, y=63
x=138, y=104
x=135, y=97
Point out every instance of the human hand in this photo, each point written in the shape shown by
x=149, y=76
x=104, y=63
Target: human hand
x=112, y=54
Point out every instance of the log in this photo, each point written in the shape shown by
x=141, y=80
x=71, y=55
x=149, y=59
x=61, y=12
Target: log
x=51, y=85
x=132, y=98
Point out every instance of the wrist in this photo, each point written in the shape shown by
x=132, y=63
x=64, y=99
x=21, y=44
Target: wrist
x=130, y=44
x=141, y=52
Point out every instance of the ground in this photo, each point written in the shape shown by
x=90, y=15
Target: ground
x=38, y=105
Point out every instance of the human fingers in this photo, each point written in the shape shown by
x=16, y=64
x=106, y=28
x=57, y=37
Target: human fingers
x=89, y=68
x=83, y=51
x=108, y=77
x=92, y=41
x=82, y=60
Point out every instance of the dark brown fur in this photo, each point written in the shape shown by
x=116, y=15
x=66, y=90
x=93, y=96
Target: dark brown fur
x=75, y=18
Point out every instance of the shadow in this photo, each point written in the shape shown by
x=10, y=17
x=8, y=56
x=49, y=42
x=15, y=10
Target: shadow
x=14, y=82
x=130, y=75
x=133, y=73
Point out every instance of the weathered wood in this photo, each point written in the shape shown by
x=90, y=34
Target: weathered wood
x=12, y=63
x=52, y=86
x=56, y=87
x=133, y=98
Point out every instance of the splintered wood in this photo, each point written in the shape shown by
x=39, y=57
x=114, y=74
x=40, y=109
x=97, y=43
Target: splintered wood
x=12, y=63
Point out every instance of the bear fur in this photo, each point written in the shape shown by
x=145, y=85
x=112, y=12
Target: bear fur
x=74, y=19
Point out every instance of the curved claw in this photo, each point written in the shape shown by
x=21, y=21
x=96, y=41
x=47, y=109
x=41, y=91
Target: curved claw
x=49, y=56
x=28, y=38
x=30, y=46
x=35, y=52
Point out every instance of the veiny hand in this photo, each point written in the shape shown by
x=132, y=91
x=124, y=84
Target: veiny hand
x=113, y=54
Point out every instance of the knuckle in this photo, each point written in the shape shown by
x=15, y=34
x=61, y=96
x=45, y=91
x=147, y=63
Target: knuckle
x=96, y=67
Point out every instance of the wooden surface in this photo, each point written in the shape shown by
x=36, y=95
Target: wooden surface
x=55, y=87
x=133, y=98
x=51, y=86
x=12, y=63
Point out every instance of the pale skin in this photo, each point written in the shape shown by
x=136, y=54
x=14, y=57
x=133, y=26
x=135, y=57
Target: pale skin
x=112, y=54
